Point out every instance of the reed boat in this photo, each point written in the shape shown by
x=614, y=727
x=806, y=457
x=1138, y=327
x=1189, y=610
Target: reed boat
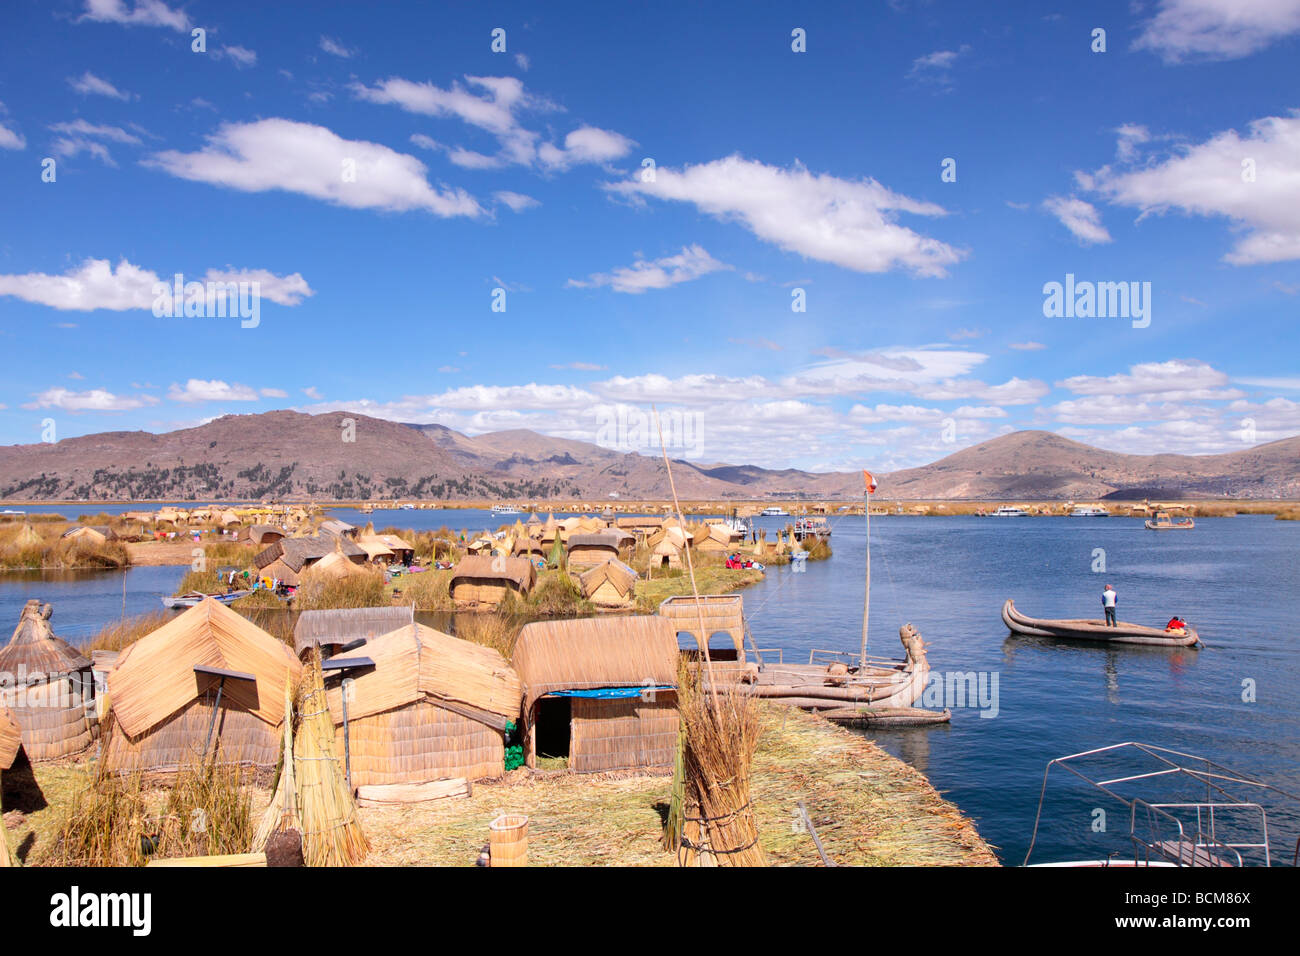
x=831, y=683
x=1163, y=522
x=1095, y=630
x=194, y=598
x=886, y=716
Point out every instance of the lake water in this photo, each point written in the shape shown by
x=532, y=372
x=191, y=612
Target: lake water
x=1236, y=580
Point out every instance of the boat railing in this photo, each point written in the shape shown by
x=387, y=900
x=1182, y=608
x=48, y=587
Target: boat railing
x=821, y=656
x=1208, y=813
x=1187, y=833
x=779, y=652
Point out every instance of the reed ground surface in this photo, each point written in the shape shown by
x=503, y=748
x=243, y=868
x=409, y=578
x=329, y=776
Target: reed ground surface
x=868, y=808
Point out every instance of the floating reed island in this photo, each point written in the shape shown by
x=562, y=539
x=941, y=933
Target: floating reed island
x=380, y=739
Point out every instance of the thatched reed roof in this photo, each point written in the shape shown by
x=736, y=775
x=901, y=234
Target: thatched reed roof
x=602, y=539
x=396, y=542
x=343, y=626
x=592, y=653
x=155, y=677
x=612, y=570
x=11, y=739
x=374, y=548
x=336, y=526
x=415, y=662
x=519, y=571
x=334, y=565
x=28, y=537
x=639, y=521
x=258, y=533
x=81, y=531
x=36, y=649
x=527, y=546
x=298, y=552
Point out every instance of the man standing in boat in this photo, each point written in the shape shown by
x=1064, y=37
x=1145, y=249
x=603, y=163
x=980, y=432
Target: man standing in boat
x=1108, y=599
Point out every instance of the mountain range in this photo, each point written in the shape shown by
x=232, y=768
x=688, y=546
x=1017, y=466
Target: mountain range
x=345, y=456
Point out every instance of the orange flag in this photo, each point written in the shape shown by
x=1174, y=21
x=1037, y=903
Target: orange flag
x=869, y=480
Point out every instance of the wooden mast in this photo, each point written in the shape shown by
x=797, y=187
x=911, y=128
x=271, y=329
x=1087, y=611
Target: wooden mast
x=868, y=486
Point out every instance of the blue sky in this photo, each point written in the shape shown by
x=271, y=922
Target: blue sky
x=774, y=171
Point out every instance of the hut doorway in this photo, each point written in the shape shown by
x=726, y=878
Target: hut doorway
x=554, y=727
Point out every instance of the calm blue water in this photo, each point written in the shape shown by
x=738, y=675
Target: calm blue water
x=1236, y=580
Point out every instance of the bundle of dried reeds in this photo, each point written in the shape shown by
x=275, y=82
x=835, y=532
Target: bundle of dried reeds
x=721, y=734
x=331, y=829
x=281, y=815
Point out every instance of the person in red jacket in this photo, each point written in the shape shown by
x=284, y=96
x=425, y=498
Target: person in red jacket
x=1176, y=623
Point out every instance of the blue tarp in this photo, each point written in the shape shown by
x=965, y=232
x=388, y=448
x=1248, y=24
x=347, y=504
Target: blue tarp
x=610, y=693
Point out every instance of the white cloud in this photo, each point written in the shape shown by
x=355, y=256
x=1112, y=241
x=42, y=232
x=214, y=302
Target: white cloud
x=96, y=285
x=937, y=67
x=330, y=45
x=493, y=104
x=1119, y=410
x=587, y=144
x=79, y=136
x=214, y=390
x=273, y=393
x=312, y=392
x=517, y=202
x=242, y=57
x=1081, y=218
x=1028, y=346
x=1175, y=379
x=282, y=290
x=146, y=13
x=94, y=400
x=691, y=263
x=312, y=160
x=1217, y=29
x=1209, y=179
x=11, y=140
x=90, y=84
x=847, y=223
x=521, y=61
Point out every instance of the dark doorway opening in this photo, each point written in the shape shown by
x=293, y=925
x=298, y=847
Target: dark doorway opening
x=554, y=715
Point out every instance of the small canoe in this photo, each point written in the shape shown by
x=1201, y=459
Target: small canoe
x=1093, y=630
x=1185, y=524
x=194, y=598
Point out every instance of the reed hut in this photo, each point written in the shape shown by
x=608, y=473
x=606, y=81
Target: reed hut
x=530, y=548
x=27, y=537
x=287, y=558
x=336, y=565
x=668, y=547
x=338, y=527
x=90, y=534
x=718, y=539
x=403, y=550
x=609, y=584
x=601, y=692
x=208, y=681
x=589, y=550
x=479, y=580
x=261, y=535
x=431, y=707
x=333, y=629
x=49, y=687
x=11, y=740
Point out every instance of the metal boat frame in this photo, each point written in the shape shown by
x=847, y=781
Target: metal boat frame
x=1163, y=833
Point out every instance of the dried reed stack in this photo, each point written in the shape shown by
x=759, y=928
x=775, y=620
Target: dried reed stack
x=280, y=820
x=719, y=736
x=331, y=829
x=719, y=827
